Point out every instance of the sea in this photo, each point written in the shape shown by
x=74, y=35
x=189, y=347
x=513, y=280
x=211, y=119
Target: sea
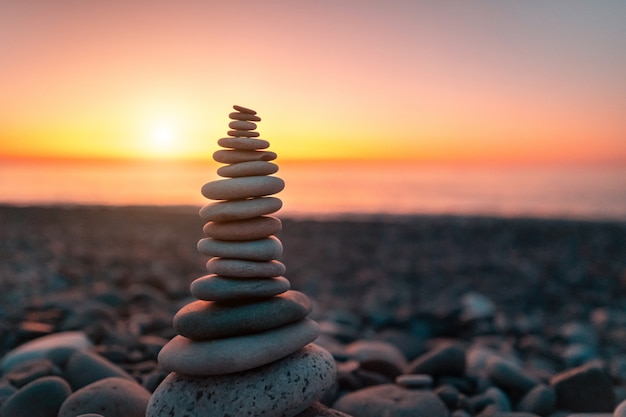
x=335, y=188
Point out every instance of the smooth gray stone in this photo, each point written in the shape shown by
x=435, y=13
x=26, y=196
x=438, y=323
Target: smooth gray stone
x=85, y=367
x=247, y=169
x=585, y=389
x=216, y=288
x=282, y=388
x=245, y=110
x=242, y=187
x=244, y=116
x=246, y=229
x=243, y=133
x=235, y=354
x=202, y=320
x=509, y=376
x=224, y=211
x=242, y=125
x=111, y=397
x=540, y=400
x=237, y=268
x=42, y=397
x=266, y=249
x=235, y=156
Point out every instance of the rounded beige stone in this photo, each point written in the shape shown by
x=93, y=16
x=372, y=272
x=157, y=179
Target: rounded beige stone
x=238, y=268
x=224, y=211
x=246, y=229
x=266, y=249
x=216, y=288
x=243, y=133
x=248, y=169
x=242, y=125
x=242, y=187
x=246, y=144
x=244, y=116
x=234, y=156
x=235, y=354
x=244, y=109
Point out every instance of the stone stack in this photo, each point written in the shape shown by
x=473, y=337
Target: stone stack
x=244, y=347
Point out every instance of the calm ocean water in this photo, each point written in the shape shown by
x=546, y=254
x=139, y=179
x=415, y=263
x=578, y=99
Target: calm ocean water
x=328, y=188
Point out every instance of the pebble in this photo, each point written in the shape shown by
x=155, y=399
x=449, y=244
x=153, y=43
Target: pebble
x=377, y=356
x=540, y=400
x=221, y=356
x=282, y=388
x=246, y=229
x=234, y=156
x=320, y=410
x=42, y=398
x=446, y=359
x=237, y=268
x=243, y=144
x=240, y=209
x=243, y=133
x=40, y=347
x=242, y=125
x=620, y=411
x=245, y=110
x=216, y=288
x=243, y=187
x=584, y=389
x=266, y=249
x=111, y=397
x=202, y=320
x=28, y=371
x=509, y=376
x=391, y=400
x=244, y=116
x=247, y=169
x=415, y=381
x=85, y=367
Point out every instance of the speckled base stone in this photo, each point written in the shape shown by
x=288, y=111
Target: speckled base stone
x=280, y=389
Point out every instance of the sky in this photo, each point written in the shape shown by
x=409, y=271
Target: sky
x=430, y=81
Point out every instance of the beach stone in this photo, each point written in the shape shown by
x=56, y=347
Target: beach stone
x=201, y=320
x=42, y=398
x=244, y=116
x=445, y=359
x=242, y=125
x=245, y=110
x=509, y=376
x=267, y=249
x=415, y=381
x=282, y=388
x=224, y=211
x=111, y=397
x=243, y=144
x=247, y=169
x=540, y=400
x=318, y=409
x=40, y=347
x=238, y=268
x=584, y=389
x=216, y=288
x=28, y=371
x=242, y=187
x=391, y=400
x=243, y=133
x=85, y=367
x=377, y=356
x=620, y=410
x=235, y=354
x=241, y=230
x=235, y=156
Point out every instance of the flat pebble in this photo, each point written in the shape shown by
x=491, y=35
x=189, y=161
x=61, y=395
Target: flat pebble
x=377, y=356
x=243, y=133
x=42, y=398
x=245, y=110
x=28, y=371
x=85, y=367
x=446, y=359
x=391, y=400
x=208, y=319
x=248, y=169
x=267, y=249
x=243, y=144
x=240, y=209
x=242, y=230
x=509, y=376
x=242, y=125
x=540, y=400
x=111, y=397
x=235, y=156
x=216, y=288
x=584, y=389
x=235, y=354
x=242, y=187
x=237, y=268
x=282, y=388
x=415, y=381
x=244, y=116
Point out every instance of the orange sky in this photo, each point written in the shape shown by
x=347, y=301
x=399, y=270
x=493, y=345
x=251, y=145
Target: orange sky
x=429, y=81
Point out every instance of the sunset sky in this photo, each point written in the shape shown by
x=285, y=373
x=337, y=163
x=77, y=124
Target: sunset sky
x=529, y=81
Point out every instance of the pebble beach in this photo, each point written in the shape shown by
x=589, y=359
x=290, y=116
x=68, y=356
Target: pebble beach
x=423, y=315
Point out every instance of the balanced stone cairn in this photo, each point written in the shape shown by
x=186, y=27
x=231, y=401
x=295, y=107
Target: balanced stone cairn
x=244, y=347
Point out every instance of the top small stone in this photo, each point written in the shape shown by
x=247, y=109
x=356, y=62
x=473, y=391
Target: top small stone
x=244, y=109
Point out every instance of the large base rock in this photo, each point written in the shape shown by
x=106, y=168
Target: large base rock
x=280, y=389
